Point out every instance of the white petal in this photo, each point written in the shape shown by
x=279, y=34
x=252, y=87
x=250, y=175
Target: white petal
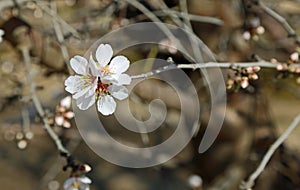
x=66, y=102
x=59, y=120
x=94, y=67
x=79, y=65
x=106, y=105
x=103, y=54
x=107, y=79
x=81, y=93
x=69, y=114
x=66, y=124
x=69, y=182
x=85, y=180
x=119, y=92
x=73, y=84
x=119, y=64
x=84, y=102
x=123, y=79
x=1, y=32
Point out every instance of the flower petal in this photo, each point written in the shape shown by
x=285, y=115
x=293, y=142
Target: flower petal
x=81, y=93
x=119, y=64
x=106, y=105
x=66, y=102
x=119, y=92
x=85, y=102
x=123, y=79
x=69, y=182
x=107, y=79
x=59, y=120
x=85, y=180
x=94, y=67
x=104, y=54
x=79, y=65
x=73, y=84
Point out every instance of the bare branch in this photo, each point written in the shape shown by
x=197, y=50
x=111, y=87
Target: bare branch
x=60, y=38
x=25, y=53
x=264, y=64
x=250, y=183
x=282, y=21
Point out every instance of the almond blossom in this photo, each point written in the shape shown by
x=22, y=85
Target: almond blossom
x=77, y=183
x=83, y=84
x=1, y=34
x=101, y=80
x=111, y=77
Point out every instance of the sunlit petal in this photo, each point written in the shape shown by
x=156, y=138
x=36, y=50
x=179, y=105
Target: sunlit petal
x=119, y=92
x=104, y=54
x=119, y=64
x=79, y=65
x=106, y=105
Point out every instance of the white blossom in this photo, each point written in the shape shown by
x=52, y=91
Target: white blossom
x=111, y=78
x=101, y=80
x=77, y=183
x=82, y=85
x=1, y=34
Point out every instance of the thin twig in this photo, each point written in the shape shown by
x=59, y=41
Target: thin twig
x=25, y=53
x=250, y=183
x=291, y=32
x=264, y=64
x=26, y=121
x=165, y=8
x=197, y=18
x=58, y=19
x=154, y=18
x=184, y=12
x=60, y=38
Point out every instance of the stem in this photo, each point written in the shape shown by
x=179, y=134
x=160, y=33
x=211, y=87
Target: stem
x=291, y=32
x=37, y=103
x=250, y=183
x=261, y=63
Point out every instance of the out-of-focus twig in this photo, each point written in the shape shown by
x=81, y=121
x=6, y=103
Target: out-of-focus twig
x=55, y=168
x=250, y=183
x=197, y=18
x=154, y=18
x=57, y=18
x=26, y=56
x=60, y=38
x=184, y=12
x=291, y=32
x=26, y=120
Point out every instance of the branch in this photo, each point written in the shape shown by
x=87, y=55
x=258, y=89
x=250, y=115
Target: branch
x=25, y=53
x=250, y=183
x=60, y=38
x=282, y=21
x=197, y=18
x=263, y=64
x=57, y=18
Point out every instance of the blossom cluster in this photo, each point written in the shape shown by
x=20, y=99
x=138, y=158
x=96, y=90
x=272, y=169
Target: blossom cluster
x=290, y=67
x=242, y=76
x=99, y=81
x=253, y=29
x=63, y=114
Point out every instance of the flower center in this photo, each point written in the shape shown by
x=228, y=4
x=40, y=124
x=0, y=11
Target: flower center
x=105, y=70
x=88, y=80
x=75, y=184
x=102, y=88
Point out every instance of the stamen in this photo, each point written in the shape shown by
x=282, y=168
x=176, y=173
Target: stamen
x=102, y=88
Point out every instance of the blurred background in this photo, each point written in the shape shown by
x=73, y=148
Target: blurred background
x=234, y=30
